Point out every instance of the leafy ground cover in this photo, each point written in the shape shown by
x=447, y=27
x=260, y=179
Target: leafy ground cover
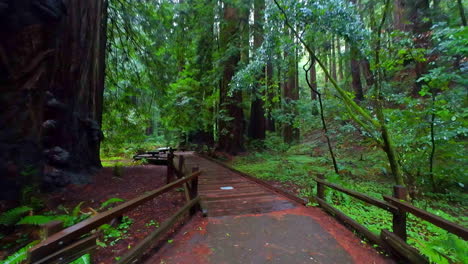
x=361, y=169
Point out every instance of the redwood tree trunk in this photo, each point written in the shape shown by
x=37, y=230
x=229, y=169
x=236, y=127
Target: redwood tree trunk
x=51, y=85
x=231, y=125
x=356, y=73
x=257, y=123
x=290, y=95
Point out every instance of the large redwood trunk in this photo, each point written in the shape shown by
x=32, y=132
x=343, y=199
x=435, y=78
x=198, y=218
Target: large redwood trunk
x=291, y=95
x=51, y=84
x=231, y=125
x=356, y=73
x=257, y=124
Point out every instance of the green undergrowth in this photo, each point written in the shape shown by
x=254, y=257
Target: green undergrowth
x=363, y=171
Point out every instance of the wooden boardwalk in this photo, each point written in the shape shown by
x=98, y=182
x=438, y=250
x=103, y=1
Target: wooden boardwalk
x=224, y=192
x=249, y=223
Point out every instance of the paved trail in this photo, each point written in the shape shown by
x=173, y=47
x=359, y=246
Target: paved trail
x=248, y=223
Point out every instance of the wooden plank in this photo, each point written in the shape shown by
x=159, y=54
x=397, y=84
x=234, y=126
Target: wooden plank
x=360, y=196
x=352, y=223
x=60, y=239
x=236, y=196
x=402, y=249
x=138, y=251
x=431, y=218
x=270, y=197
x=261, y=182
x=71, y=252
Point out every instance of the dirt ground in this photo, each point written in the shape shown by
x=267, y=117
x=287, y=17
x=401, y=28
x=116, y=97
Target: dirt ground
x=134, y=181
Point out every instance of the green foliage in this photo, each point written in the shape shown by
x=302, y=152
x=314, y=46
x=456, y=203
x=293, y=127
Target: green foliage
x=30, y=197
x=85, y=259
x=152, y=223
x=11, y=217
x=19, y=256
x=110, y=202
x=36, y=220
x=112, y=235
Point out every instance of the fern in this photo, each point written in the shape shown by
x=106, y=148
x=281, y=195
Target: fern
x=36, y=220
x=109, y=202
x=12, y=216
x=20, y=255
x=76, y=210
x=85, y=259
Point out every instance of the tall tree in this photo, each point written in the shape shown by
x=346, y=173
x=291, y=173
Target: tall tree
x=413, y=16
x=231, y=125
x=257, y=124
x=356, y=69
x=290, y=93
x=51, y=82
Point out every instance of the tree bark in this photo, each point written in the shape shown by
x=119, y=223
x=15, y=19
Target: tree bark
x=313, y=80
x=257, y=125
x=413, y=16
x=291, y=94
x=356, y=73
x=340, y=59
x=51, y=82
x=231, y=126
x=461, y=9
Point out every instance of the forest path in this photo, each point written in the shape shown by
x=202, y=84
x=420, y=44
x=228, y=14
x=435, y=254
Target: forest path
x=248, y=223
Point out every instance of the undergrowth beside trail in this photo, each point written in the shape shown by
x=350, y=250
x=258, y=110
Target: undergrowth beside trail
x=362, y=170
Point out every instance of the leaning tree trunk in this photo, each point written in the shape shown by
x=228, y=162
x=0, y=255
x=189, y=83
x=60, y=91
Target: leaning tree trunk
x=51, y=84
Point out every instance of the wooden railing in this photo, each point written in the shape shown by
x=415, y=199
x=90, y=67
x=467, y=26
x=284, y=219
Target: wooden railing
x=393, y=242
x=64, y=246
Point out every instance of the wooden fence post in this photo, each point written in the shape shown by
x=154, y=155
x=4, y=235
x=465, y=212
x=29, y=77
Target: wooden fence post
x=399, y=218
x=194, y=192
x=50, y=228
x=170, y=167
x=181, y=167
x=321, y=188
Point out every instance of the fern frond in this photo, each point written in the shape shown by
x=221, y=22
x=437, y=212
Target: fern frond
x=76, y=210
x=36, y=220
x=12, y=216
x=20, y=255
x=109, y=202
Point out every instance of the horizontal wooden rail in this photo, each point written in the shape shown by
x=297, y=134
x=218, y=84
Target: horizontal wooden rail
x=135, y=253
x=71, y=252
x=393, y=242
x=360, y=196
x=402, y=249
x=351, y=222
x=432, y=218
x=60, y=239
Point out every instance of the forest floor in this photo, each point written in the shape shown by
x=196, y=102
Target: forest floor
x=138, y=223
